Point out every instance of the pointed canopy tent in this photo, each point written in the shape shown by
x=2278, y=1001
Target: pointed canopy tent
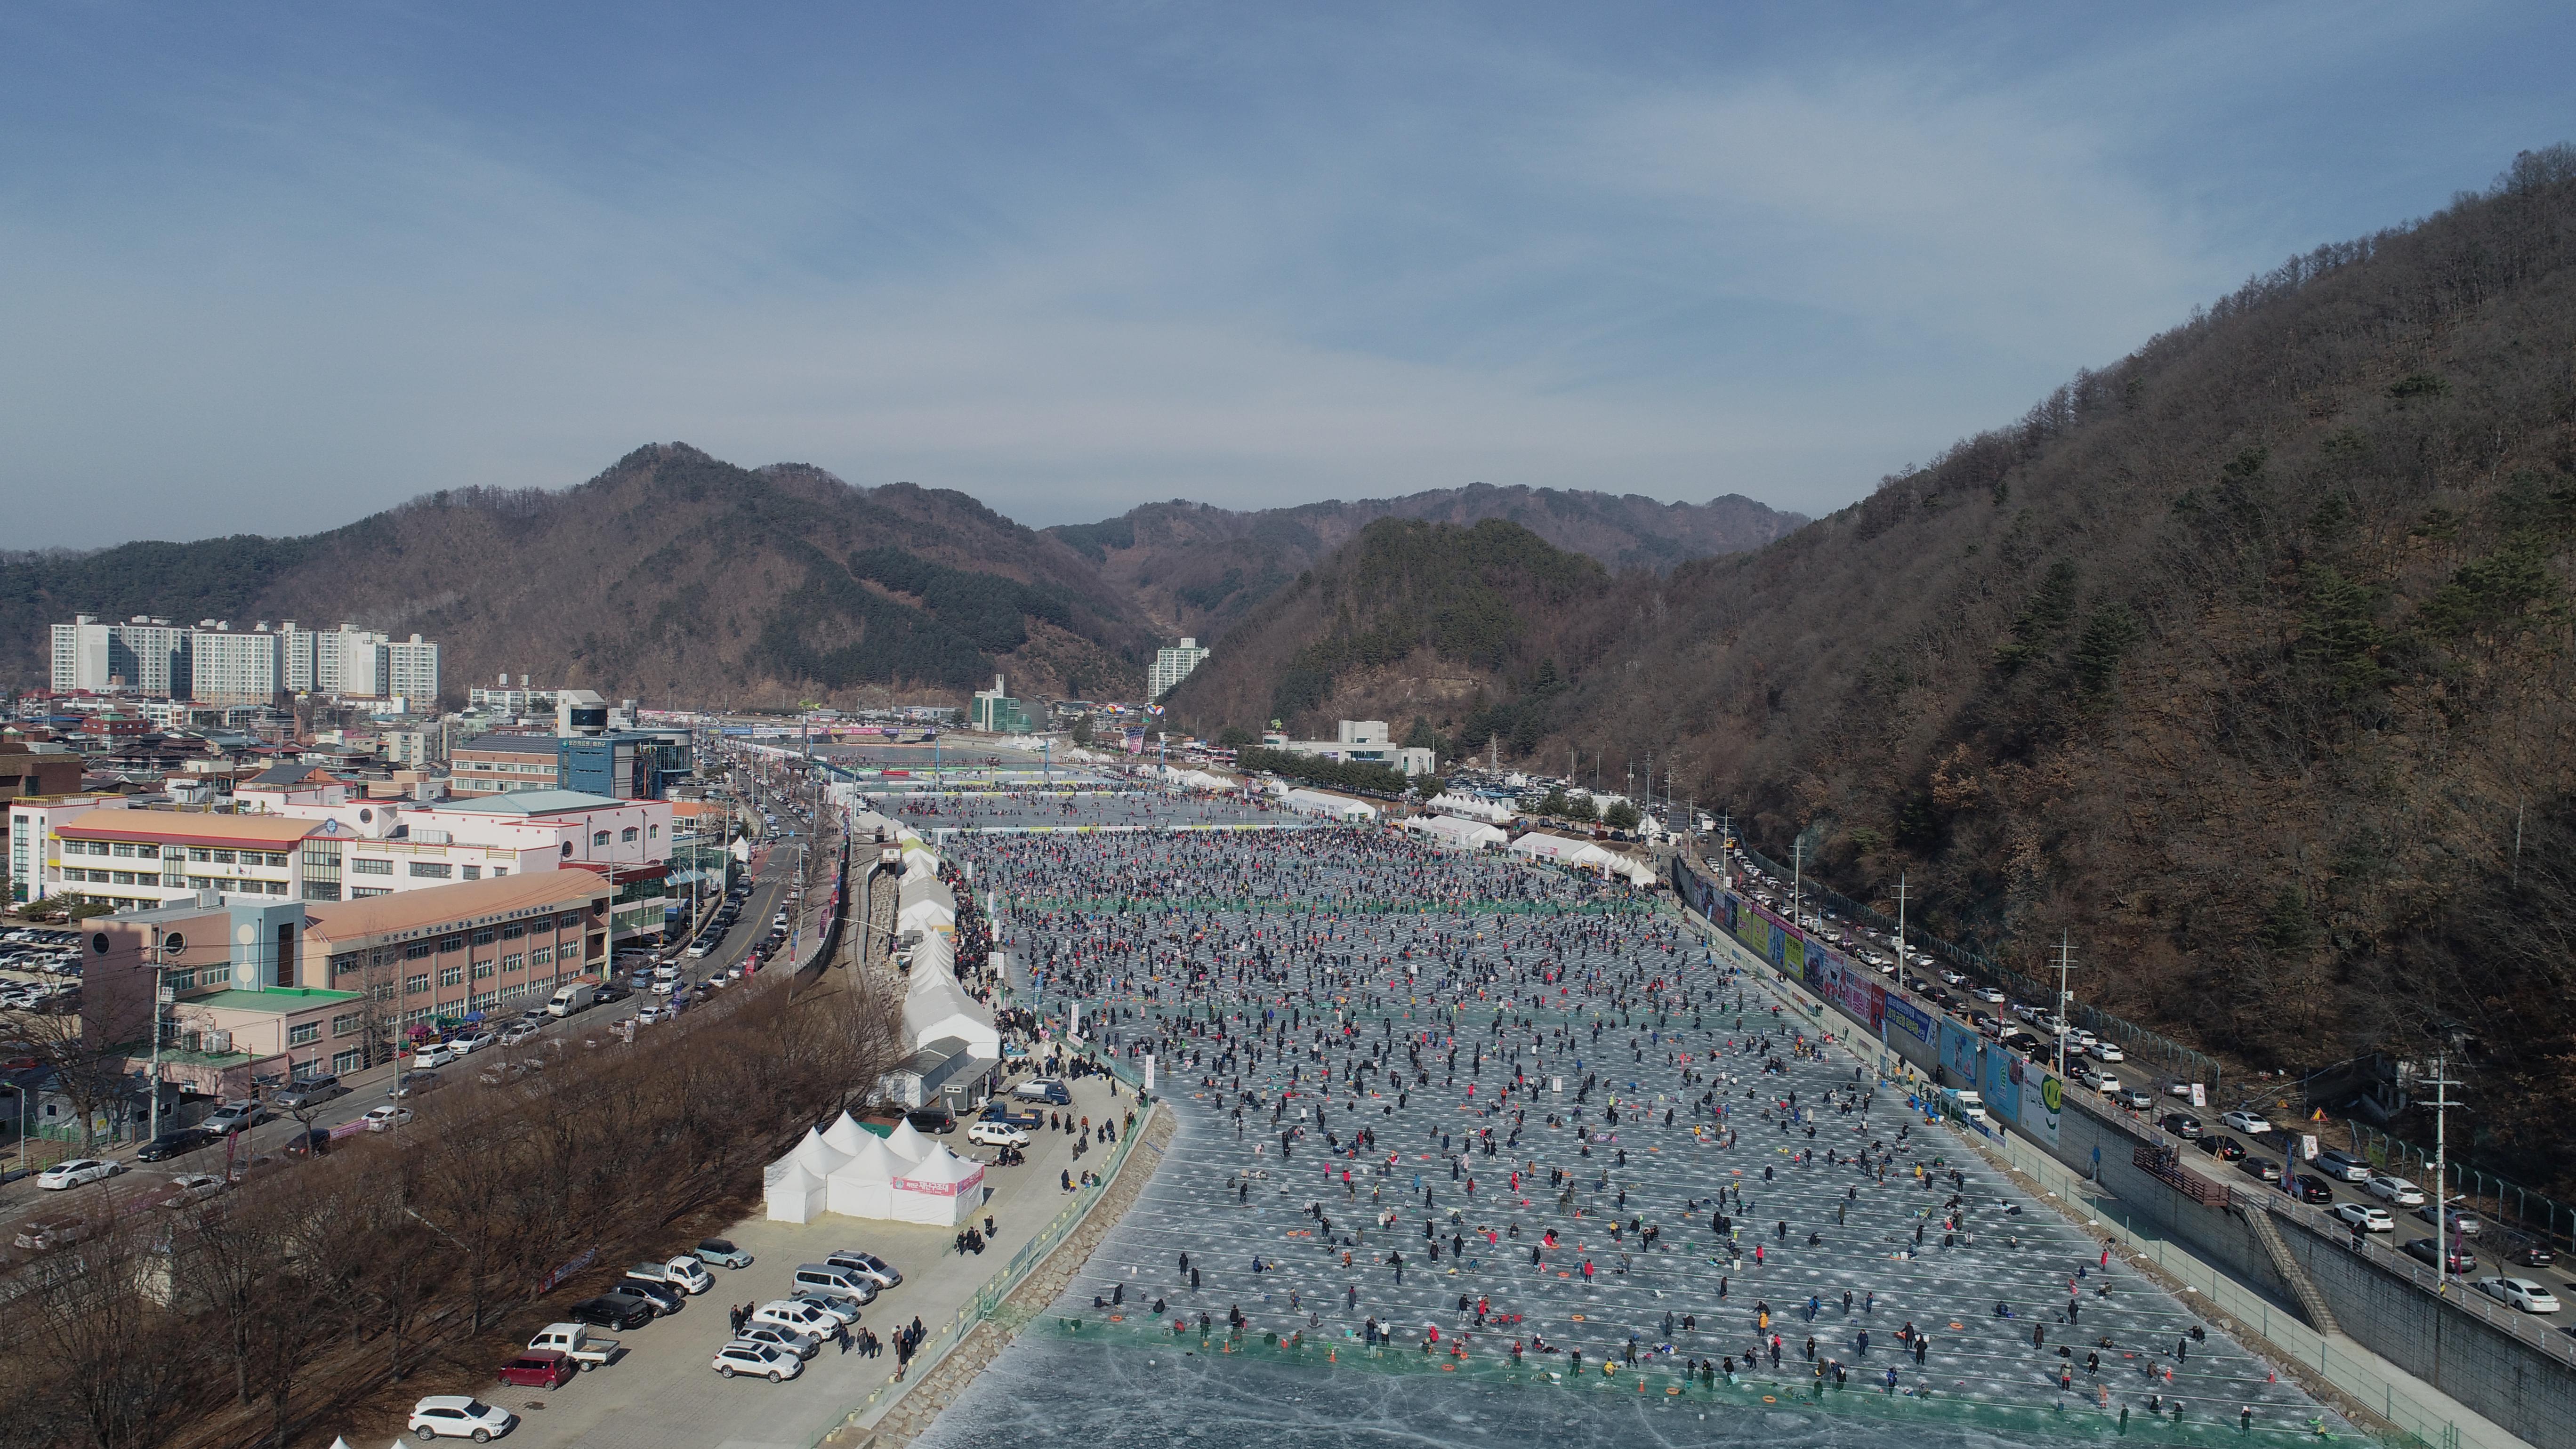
x=944, y=1189
x=936, y=1006
x=864, y=1187
x=907, y=1142
x=848, y=1138
x=817, y=1156
x=795, y=1195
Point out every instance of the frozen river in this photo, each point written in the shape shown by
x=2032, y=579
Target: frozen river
x=1475, y=1151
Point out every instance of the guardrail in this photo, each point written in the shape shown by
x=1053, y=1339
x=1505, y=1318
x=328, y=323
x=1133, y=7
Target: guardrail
x=989, y=1300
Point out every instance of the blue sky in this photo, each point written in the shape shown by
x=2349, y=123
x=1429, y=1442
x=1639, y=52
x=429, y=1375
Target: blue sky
x=267, y=268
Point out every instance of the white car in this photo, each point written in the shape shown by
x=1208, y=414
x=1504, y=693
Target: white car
x=386, y=1119
x=77, y=1172
x=2103, y=1051
x=467, y=1043
x=459, y=1416
x=2087, y=1076
x=1988, y=994
x=742, y=1356
x=517, y=1032
x=1954, y=978
x=2366, y=1217
x=2252, y=1124
x=793, y=1314
x=192, y=1189
x=2107, y=1083
x=435, y=1054
x=2522, y=1293
x=653, y=1013
x=785, y=1340
x=997, y=1134
x=2395, y=1189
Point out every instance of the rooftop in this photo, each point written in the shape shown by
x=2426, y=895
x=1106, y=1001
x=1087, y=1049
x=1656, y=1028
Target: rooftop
x=465, y=903
x=280, y=999
x=265, y=832
x=531, y=802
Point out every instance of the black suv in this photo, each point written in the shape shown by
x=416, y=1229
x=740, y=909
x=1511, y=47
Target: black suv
x=619, y=1311
x=930, y=1119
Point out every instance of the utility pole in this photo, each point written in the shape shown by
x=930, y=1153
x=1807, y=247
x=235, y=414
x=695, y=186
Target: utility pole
x=1901, y=894
x=162, y=997
x=2065, y=964
x=2445, y=1233
x=1798, y=881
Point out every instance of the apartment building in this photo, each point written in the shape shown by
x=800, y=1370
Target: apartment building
x=143, y=655
x=236, y=668
x=346, y=660
x=411, y=671
x=1171, y=666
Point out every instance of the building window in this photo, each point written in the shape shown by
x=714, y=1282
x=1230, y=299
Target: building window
x=541, y=956
x=599, y=837
x=348, y=1061
x=225, y=857
x=482, y=968
x=343, y=964
x=451, y=943
x=653, y=832
x=323, y=890
x=473, y=872
x=482, y=938
x=276, y=861
x=364, y=866
x=147, y=852
x=513, y=931
x=306, y=1032
x=412, y=985
x=483, y=1001
x=514, y=962
x=182, y=980
x=451, y=975
x=125, y=848
x=416, y=951
x=199, y=852
x=347, y=1022
x=123, y=877
x=431, y=870
x=275, y=887
x=626, y=836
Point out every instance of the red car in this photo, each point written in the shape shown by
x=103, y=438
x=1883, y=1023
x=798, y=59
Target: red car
x=539, y=1368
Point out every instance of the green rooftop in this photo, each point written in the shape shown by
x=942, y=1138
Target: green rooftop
x=278, y=999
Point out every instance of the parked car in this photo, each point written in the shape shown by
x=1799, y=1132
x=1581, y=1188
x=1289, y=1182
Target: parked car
x=665, y=1299
x=386, y=1119
x=466, y=1043
x=2389, y=1188
x=722, y=1253
x=2534, y=1255
x=2222, y=1147
x=997, y=1134
x=653, y=1012
x=539, y=1368
x=434, y=1054
x=309, y=1092
x=412, y=1084
x=173, y=1144
x=785, y=1340
x=869, y=1264
x=2365, y=1217
x=930, y=1119
x=2261, y=1169
x=2103, y=1051
x=2314, y=1189
x=46, y=1234
x=2430, y=1253
x=458, y=1416
x=742, y=1356
x=234, y=1117
x=620, y=1311
x=192, y=1189
x=2253, y=1124
x=78, y=1172
x=576, y=1342
x=800, y=1316
x=838, y=1305
x=2134, y=1098
x=517, y=1032
x=2460, y=1220
x=685, y=1273
x=2181, y=1124
x=2342, y=1166
x=2521, y=1293
x=1989, y=994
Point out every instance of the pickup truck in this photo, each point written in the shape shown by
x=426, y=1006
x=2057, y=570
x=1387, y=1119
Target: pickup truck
x=576, y=1342
x=685, y=1273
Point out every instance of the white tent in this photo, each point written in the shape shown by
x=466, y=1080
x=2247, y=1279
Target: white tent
x=945, y=1189
x=795, y=1195
x=935, y=1006
x=1458, y=834
x=907, y=1142
x=1564, y=850
x=924, y=903
x=1473, y=807
x=1337, y=807
x=848, y=1138
x=864, y=1187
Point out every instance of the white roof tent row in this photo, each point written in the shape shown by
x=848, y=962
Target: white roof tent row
x=1332, y=807
x=848, y=1170
x=1565, y=850
x=1458, y=834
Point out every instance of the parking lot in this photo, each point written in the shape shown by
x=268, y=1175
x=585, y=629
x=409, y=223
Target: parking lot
x=661, y=1392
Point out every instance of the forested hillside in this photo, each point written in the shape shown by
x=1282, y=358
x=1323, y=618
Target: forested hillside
x=2245, y=661
x=672, y=575
x=1196, y=569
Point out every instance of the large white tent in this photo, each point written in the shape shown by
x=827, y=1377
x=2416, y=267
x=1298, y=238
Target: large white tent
x=935, y=1006
x=924, y=903
x=1473, y=807
x=1453, y=832
x=794, y=1194
x=1337, y=807
x=864, y=1186
x=908, y=1142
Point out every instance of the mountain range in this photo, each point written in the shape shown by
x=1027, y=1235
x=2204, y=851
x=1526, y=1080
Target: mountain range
x=2243, y=665
x=674, y=576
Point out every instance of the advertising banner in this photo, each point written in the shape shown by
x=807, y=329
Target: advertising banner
x=2040, y=1121
x=1904, y=1018
x=2002, y=1086
x=1960, y=1051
